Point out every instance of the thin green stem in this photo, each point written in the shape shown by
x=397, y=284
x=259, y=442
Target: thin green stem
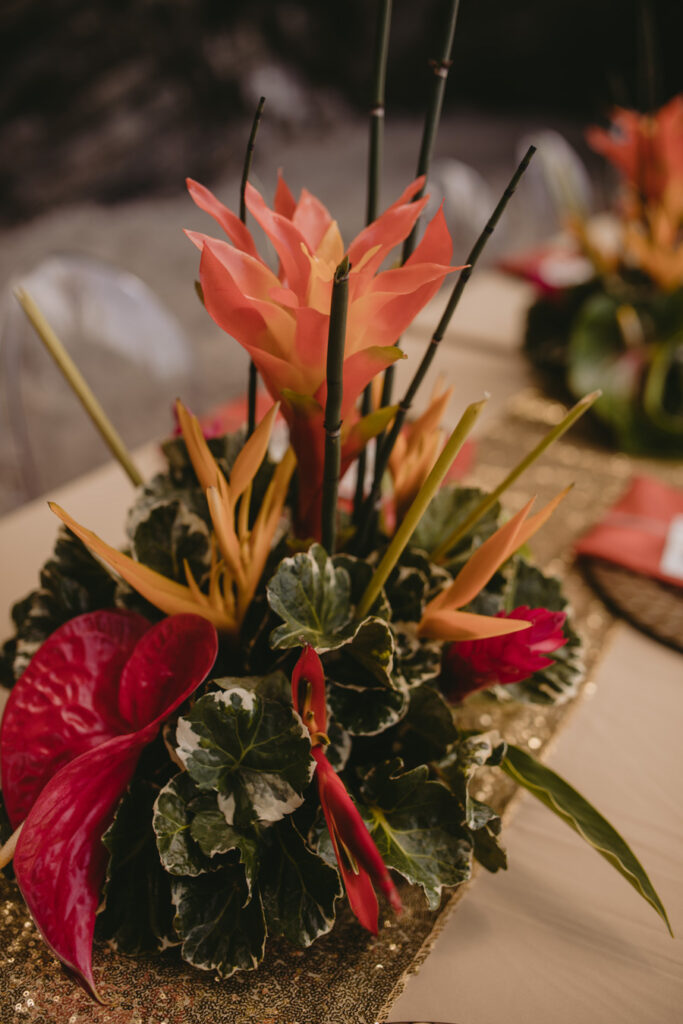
x=440, y=67
x=335, y=385
x=386, y=448
x=482, y=508
x=248, y=156
x=374, y=180
x=419, y=506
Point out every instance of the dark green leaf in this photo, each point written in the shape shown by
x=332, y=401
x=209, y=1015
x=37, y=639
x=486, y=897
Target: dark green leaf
x=366, y=711
x=137, y=914
x=169, y=533
x=448, y=508
x=414, y=823
x=416, y=660
x=530, y=587
x=314, y=600
x=254, y=753
x=298, y=888
x=367, y=660
x=274, y=686
x=360, y=573
x=572, y=808
x=221, y=929
x=215, y=837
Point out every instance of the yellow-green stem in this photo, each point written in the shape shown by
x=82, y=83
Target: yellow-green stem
x=482, y=508
x=419, y=506
x=79, y=385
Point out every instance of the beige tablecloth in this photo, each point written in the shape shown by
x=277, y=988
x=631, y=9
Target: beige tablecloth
x=560, y=937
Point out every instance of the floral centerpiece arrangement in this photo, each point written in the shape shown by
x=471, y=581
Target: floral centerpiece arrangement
x=252, y=714
x=621, y=328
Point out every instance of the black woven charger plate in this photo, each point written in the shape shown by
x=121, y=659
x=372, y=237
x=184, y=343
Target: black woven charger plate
x=654, y=607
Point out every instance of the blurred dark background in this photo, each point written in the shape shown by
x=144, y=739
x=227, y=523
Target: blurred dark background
x=118, y=99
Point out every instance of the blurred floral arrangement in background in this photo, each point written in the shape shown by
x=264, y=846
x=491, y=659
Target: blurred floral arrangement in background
x=258, y=708
x=618, y=324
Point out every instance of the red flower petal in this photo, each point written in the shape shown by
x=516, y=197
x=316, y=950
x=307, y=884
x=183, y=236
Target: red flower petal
x=65, y=703
x=117, y=686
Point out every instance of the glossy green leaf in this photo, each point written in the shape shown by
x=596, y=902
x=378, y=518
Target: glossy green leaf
x=314, y=600
x=414, y=823
x=136, y=915
x=366, y=711
x=572, y=808
x=221, y=929
x=367, y=660
x=448, y=508
x=298, y=888
x=254, y=753
x=179, y=852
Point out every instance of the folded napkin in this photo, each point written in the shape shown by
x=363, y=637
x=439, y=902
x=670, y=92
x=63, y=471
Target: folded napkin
x=643, y=531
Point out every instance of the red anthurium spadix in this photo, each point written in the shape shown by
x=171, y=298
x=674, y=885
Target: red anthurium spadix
x=94, y=695
x=282, y=319
x=359, y=860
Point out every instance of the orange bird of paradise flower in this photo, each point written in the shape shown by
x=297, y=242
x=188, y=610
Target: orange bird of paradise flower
x=238, y=551
x=282, y=320
x=443, y=618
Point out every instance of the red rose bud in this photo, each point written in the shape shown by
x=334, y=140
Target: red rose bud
x=472, y=665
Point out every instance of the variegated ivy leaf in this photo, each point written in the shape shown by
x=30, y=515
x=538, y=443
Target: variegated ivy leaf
x=412, y=583
x=180, y=854
x=255, y=753
x=367, y=711
x=274, y=686
x=136, y=915
x=169, y=532
x=214, y=836
x=298, y=888
x=414, y=823
x=314, y=600
x=367, y=660
x=360, y=573
x=221, y=929
x=416, y=660
x=428, y=729
x=458, y=769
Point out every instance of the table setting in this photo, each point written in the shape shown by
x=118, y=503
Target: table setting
x=357, y=699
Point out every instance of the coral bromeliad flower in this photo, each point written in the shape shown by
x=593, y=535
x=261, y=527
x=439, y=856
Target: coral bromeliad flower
x=475, y=664
x=646, y=148
x=92, y=698
x=359, y=860
x=283, y=320
x=234, y=575
x=443, y=619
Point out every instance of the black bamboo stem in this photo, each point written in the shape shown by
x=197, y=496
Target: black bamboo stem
x=335, y=387
x=374, y=180
x=384, y=453
x=248, y=156
x=440, y=66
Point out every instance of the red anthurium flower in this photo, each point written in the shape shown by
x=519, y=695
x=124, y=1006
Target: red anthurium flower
x=94, y=695
x=283, y=320
x=475, y=664
x=359, y=860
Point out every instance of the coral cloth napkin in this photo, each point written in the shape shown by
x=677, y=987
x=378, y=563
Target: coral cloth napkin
x=643, y=531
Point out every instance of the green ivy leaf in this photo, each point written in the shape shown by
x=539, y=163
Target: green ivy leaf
x=414, y=823
x=298, y=888
x=180, y=854
x=221, y=929
x=360, y=572
x=314, y=600
x=530, y=587
x=255, y=753
x=137, y=914
x=167, y=533
x=417, y=661
x=448, y=508
x=274, y=686
x=575, y=811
